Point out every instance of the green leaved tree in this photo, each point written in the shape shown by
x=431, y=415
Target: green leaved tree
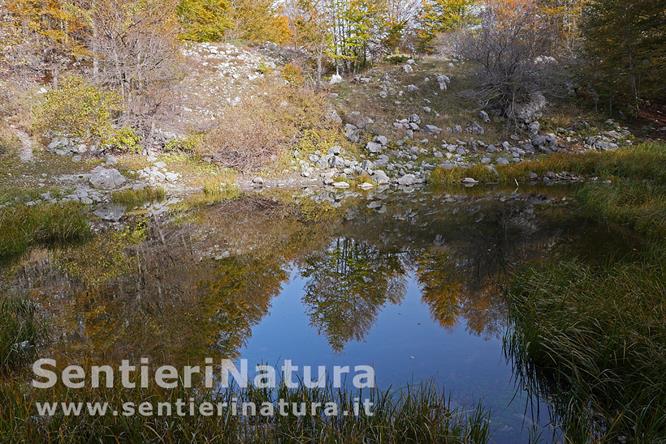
x=438, y=16
x=626, y=46
x=204, y=20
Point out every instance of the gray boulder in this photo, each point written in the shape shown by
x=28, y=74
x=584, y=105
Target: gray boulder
x=106, y=178
x=380, y=177
x=374, y=147
x=110, y=213
x=407, y=180
x=352, y=133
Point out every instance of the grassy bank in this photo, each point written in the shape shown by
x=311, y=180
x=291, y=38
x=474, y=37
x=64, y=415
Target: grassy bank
x=592, y=339
x=22, y=227
x=640, y=162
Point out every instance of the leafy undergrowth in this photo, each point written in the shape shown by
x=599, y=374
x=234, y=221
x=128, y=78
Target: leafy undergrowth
x=645, y=161
x=420, y=415
x=22, y=227
x=592, y=338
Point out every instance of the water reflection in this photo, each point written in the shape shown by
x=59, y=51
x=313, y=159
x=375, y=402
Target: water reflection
x=348, y=284
x=238, y=279
x=183, y=289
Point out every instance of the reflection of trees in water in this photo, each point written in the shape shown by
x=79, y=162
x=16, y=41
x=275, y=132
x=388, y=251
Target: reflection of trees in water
x=243, y=291
x=126, y=295
x=348, y=284
x=151, y=290
x=447, y=291
x=461, y=279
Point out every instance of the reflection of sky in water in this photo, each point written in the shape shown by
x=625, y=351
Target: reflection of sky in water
x=405, y=344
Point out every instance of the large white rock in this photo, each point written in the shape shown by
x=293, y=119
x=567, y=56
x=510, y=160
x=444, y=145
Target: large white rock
x=106, y=178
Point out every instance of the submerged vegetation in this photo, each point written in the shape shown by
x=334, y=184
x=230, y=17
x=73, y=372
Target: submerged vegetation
x=22, y=226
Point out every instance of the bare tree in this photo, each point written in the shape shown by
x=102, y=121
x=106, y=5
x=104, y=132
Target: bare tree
x=512, y=48
x=137, y=53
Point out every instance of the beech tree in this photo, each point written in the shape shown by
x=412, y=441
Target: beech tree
x=57, y=32
x=259, y=21
x=204, y=20
x=438, y=16
x=310, y=30
x=136, y=43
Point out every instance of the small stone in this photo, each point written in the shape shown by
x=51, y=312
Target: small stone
x=111, y=213
x=382, y=140
x=341, y=185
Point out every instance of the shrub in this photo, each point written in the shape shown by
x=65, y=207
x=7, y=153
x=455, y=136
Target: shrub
x=124, y=140
x=77, y=108
x=507, y=47
x=256, y=132
x=293, y=74
x=187, y=145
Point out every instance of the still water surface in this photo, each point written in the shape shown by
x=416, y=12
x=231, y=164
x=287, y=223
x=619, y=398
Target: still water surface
x=410, y=284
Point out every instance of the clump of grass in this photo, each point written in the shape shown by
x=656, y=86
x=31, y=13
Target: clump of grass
x=22, y=227
x=420, y=415
x=135, y=198
x=455, y=176
x=593, y=341
x=20, y=333
x=217, y=190
x=643, y=161
x=638, y=205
